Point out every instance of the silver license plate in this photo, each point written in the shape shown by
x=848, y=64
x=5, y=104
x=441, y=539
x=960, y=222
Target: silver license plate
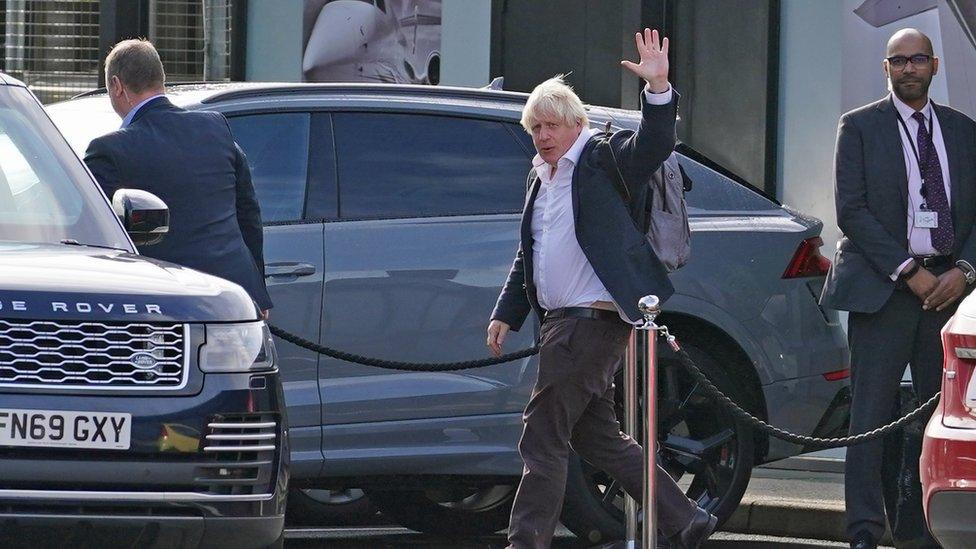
x=65, y=429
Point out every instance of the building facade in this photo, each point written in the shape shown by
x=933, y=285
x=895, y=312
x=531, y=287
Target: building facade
x=763, y=82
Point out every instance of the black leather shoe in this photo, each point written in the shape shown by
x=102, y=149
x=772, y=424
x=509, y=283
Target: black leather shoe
x=702, y=525
x=863, y=540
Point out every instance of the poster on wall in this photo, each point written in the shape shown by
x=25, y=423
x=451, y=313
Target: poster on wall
x=395, y=41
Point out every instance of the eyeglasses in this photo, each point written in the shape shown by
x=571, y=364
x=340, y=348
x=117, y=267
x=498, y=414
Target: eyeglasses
x=901, y=61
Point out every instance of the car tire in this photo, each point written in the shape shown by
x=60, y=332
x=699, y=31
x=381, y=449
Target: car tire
x=321, y=507
x=452, y=512
x=716, y=480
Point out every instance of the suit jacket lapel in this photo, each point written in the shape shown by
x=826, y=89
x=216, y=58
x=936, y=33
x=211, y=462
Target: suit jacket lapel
x=584, y=154
x=527, y=227
x=890, y=132
x=527, y=210
x=891, y=165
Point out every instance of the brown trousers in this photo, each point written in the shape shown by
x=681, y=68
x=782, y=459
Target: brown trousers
x=572, y=404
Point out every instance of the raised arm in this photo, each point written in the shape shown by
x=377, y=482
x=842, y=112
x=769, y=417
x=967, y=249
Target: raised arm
x=639, y=154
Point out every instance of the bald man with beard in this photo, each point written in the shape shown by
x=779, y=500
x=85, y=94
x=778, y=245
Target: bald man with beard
x=905, y=191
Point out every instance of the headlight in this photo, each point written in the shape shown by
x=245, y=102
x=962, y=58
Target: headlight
x=237, y=348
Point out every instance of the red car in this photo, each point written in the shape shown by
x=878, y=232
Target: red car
x=948, y=463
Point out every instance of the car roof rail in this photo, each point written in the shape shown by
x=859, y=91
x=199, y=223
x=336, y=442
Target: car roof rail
x=283, y=89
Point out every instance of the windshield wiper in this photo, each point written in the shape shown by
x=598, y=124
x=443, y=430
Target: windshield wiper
x=73, y=242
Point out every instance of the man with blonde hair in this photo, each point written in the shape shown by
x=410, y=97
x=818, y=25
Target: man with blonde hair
x=582, y=266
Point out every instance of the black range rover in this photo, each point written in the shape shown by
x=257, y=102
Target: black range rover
x=140, y=402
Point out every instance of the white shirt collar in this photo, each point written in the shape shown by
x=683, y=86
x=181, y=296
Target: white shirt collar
x=906, y=112
x=574, y=152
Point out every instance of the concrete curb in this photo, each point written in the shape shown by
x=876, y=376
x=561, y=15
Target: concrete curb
x=801, y=518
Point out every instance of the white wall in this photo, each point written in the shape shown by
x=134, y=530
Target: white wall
x=465, y=42
x=811, y=47
x=274, y=41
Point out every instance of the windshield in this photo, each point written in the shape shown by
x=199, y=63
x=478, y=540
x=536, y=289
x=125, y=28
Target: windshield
x=46, y=195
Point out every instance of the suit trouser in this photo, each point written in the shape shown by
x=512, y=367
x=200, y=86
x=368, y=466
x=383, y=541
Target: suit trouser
x=572, y=404
x=882, y=343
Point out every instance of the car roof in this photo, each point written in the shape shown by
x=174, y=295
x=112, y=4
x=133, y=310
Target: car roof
x=197, y=95
x=191, y=94
x=211, y=95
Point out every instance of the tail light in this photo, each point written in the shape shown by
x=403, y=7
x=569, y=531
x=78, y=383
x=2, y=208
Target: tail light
x=958, y=383
x=807, y=261
x=838, y=375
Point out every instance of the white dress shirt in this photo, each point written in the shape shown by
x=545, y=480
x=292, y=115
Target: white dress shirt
x=562, y=275
x=919, y=240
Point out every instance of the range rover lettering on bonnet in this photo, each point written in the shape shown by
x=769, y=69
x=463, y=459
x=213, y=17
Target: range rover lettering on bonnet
x=84, y=307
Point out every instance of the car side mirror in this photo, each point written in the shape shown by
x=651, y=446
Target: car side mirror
x=144, y=215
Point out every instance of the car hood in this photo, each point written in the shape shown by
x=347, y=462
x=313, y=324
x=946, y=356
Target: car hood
x=80, y=283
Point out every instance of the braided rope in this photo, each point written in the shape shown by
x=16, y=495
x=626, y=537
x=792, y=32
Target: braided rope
x=400, y=365
x=922, y=412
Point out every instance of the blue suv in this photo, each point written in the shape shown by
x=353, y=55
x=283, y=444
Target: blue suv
x=140, y=401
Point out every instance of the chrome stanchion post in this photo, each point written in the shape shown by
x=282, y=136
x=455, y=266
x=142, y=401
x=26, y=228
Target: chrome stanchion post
x=630, y=427
x=650, y=307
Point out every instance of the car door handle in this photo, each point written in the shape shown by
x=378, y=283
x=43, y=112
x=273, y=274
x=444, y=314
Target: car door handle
x=288, y=268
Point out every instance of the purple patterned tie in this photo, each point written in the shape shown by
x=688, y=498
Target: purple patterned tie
x=933, y=188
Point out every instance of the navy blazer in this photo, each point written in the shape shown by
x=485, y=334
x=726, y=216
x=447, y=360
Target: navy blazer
x=607, y=226
x=871, y=188
x=190, y=160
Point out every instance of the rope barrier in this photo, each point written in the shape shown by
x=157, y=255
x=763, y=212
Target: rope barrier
x=922, y=412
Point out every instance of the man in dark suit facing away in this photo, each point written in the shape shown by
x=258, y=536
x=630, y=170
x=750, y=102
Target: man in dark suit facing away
x=582, y=265
x=906, y=202
x=191, y=161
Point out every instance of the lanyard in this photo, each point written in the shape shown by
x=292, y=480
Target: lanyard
x=918, y=159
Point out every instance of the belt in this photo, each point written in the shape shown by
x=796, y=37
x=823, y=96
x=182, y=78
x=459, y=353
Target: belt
x=581, y=312
x=934, y=261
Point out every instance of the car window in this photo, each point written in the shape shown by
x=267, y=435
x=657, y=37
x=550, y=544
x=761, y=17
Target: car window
x=712, y=191
x=276, y=146
x=406, y=165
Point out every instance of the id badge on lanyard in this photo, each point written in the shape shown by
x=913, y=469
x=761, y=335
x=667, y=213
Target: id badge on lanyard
x=926, y=218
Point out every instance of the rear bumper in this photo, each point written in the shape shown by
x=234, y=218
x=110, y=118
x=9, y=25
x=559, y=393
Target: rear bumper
x=948, y=477
x=950, y=518
x=808, y=405
x=798, y=343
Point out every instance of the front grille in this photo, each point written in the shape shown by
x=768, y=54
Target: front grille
x=92, y=355
x=243, y=448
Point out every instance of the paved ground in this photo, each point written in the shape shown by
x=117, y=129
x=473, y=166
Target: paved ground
x=399, y=538
x=795, y=503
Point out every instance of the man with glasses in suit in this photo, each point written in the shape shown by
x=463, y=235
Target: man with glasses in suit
x=905, y=183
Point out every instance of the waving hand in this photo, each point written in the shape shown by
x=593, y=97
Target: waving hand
x=653, y=66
